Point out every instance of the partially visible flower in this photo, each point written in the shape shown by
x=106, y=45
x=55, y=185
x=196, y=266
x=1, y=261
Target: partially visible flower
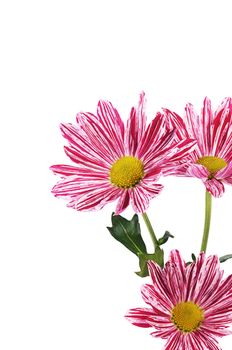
x=114, y=161
x=211, y=160
x=189, y=305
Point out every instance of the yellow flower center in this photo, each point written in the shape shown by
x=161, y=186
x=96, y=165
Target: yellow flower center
x=213, y=164
x=126, y=172
x=187, y=316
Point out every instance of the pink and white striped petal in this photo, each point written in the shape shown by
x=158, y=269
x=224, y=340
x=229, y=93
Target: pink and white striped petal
x=215, y=187
x=101, y=136
x=206, y=124
x=154, y=297
x=112, y=124
x=174, y=121
x=198, y=170
x=64, y=170
x=225, y=173
x=71, y=186
x=80, y=147
x=222, y=128
x=136, y=126
x=141, y=317
x=95, y=200
x=142, y=194
x=123, y=202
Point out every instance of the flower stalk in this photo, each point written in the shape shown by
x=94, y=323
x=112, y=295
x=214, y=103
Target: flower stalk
x=150, y=230
x=208, y=209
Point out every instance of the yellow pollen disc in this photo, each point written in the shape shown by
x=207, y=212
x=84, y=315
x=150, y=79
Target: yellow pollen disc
x=126, y=172
x=187, y=316
x=213, y=164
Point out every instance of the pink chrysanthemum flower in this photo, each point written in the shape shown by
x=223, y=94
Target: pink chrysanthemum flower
x=189, y=305
x=211, y=160
x=116, y=162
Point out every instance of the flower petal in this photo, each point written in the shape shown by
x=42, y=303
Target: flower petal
x=198, y=170
x=86, y=195
x=94, y=201
x=153, y=137
x=174, y=342
x=64, y=170
x=215, y=187
x=123, y=202
x=206, y=125
x=85, y=150
x=112, y=124
x=177, y=259
x=163, y=330
x=141, y=317
x=228, y=180
x=192, y=121
x=215, y=328
x=86, y=160
x=194, y=127
x=225, y=172
x=136, y=126
x=99, y=138
x=175, y=270
x=73, y=187
x=192, y=274
x=222, y=129
x=222, y=293
x=182, y=151
x=204, y=341
x=155, y=299
x=142, y=194
x=139, y=200
x=174, y=121
x=175, y=159
x=159, y=279
x=208, y=281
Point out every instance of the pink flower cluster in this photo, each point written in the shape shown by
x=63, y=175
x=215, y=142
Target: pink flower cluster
x=124, y=162
x=189, y=305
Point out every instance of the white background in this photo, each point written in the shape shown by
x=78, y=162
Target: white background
x=65, y=283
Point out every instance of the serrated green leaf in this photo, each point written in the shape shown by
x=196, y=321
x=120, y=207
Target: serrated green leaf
x=165, y=238
x=128, y=233
x=225, y=257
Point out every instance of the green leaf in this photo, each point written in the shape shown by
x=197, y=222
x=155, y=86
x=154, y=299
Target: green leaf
x=158, y=257
x=225, y=257
x=143, y=258
x=165, y=238
x=193, y=259
x=128, y=233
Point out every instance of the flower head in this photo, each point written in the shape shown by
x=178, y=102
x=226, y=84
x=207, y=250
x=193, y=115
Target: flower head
x=211, y=160
x=114, y=161
x=189, y=305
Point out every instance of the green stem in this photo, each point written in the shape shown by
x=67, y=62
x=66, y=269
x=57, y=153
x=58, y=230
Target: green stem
x=208, y=208
x=150, y=230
